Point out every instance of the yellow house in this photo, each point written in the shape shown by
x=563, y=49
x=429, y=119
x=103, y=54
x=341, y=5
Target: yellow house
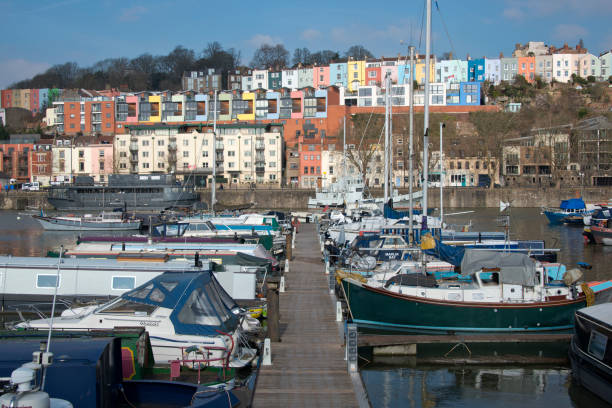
x=249, y=111
x=356, y=74
x=155, y=102
x=419, y=70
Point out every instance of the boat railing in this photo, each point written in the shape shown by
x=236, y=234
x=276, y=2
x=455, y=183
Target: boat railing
x=35, y=309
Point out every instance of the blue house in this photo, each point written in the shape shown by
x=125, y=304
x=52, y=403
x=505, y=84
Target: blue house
x=476, y=70
x=338, y=74
x=470, y=93
x=403, y=73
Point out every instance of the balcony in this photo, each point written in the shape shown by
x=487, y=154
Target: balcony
x=172, y=156
x=172, y=147
x=219, y=145
x=134, y=158
x=133, y=146
x=260, y=169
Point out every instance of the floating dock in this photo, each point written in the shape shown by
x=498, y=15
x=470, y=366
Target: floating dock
x=308, y=364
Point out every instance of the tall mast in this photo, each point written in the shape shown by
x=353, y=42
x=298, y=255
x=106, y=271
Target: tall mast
x=390, y=150
x=410, y=149
x=214, y=178
x=386, y=156
x=426, y=117
x=344, y=147
x=441, y=180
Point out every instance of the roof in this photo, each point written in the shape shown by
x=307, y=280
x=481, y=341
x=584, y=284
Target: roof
x=602, y=312
x=599, y=122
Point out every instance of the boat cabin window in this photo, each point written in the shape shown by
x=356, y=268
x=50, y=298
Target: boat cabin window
x=127, y=307
x=224, y=296
x=198, y=310
x=169, y=286
x=142, y=293
x=47, y=281
x=123, y=282
x=157, y=295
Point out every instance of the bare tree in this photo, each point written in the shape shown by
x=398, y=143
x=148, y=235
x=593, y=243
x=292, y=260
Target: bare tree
x=270, y=56
x=358, y=52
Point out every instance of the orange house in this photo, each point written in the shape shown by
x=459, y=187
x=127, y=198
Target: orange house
x=526, y=68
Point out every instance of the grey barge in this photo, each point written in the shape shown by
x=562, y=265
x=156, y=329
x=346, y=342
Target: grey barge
x=128, y=191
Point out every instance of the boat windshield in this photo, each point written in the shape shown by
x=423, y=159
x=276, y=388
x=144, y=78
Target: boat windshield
x=127, y=307
x=199, y=310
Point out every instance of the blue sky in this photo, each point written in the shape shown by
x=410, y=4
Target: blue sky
x=39, y=33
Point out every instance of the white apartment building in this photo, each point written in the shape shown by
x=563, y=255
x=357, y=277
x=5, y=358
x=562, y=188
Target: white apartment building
x=244, y=153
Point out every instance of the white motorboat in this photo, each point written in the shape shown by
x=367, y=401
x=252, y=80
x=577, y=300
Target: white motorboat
x=184, y=313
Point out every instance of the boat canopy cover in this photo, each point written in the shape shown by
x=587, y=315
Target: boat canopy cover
x=199, y=304
x=447, y=253
x=573, y=204
x=515, y=268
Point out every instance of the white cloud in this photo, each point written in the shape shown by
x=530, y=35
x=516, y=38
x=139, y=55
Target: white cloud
x=513, y=13
x=259, y=39
x=310, y=34
x=14, y=70
x=133, y=13
x=569, y=33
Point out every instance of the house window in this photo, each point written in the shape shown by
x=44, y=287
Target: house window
x=185, y=154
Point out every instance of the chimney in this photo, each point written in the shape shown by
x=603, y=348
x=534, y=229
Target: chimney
x=501, y=55
x=517, y=46
x=450, y=55
x=468, y=56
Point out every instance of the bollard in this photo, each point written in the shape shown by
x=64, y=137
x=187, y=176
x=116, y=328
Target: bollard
x=351, y=348
x=267, y=353
x=286, y=265
x=281, y=287
x=273, y=312
x=338, y=311
x=293, y=240
x=327, y=266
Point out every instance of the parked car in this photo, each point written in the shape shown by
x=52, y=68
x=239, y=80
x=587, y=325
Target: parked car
x=35, y=186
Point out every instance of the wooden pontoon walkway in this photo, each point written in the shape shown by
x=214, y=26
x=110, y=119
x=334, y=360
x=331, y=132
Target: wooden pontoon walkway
x=308, y=367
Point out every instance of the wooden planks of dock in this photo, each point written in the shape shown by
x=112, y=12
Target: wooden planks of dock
x=308, y=367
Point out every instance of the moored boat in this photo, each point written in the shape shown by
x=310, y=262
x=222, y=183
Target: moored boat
x=179, y=310
x=506, y=293
x=105, y=221
x=591, y=349
x=570, y=211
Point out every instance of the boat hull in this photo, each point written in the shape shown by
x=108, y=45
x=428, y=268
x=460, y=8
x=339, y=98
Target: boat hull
x=52, y=224
x=601, y=235
x=379, y=308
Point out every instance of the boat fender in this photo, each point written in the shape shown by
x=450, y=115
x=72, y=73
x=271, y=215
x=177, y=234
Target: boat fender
x=588, y=293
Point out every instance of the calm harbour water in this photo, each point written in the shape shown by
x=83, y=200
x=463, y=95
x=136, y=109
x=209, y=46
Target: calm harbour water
x=425, y=386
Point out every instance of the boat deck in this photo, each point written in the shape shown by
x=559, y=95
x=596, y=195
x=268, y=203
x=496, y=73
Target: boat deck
x=308, y=367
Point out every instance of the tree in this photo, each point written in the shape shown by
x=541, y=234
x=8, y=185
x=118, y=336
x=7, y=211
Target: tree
x=365, y=134
x=214, y=56
x=324, y=57
x=270, y=56
x=301, y=56
x=358, y=52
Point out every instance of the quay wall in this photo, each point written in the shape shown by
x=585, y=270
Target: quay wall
x=297, y=199
x=292, y=199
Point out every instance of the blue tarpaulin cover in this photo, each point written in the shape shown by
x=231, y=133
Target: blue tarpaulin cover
x=447, y=253
x=573, y=204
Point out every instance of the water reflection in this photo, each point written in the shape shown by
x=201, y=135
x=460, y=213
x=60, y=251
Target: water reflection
x=430, y=387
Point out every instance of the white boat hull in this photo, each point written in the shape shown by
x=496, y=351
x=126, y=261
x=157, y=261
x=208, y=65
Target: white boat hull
x=52, y=224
